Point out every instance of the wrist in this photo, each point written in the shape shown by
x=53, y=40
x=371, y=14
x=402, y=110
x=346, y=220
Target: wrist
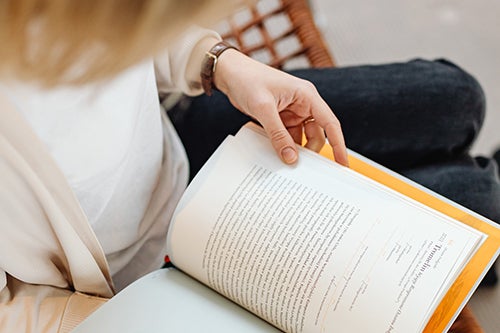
x=211, y=77
x=227, y=61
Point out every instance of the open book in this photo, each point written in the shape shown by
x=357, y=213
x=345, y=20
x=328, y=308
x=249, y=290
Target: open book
x=314, y=247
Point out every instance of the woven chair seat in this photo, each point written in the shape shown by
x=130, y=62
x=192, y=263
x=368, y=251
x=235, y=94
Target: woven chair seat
x=280, y=33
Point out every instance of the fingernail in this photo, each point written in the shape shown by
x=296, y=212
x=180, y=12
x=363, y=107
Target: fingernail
x=289, y=155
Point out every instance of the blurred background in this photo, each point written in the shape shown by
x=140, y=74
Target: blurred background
x=466, y=32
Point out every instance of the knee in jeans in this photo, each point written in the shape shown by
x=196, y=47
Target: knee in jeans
x=452, y=100
x=461, y=91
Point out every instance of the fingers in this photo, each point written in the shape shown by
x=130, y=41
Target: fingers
x=324, y=118
x=283, y=139
x=336, y=140
x=315, y=135
x=280, y=137
x=296, y=133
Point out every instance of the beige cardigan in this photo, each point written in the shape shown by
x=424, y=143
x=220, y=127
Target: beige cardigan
x=48, y=248
x=49, y=258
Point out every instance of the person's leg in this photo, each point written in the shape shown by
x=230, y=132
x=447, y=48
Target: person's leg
x=496, y=157
x=404, y=114
x=471, y=182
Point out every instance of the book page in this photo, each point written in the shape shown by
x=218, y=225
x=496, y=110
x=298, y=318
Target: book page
x=167, y=300
x=314, y=247
x=464, y=285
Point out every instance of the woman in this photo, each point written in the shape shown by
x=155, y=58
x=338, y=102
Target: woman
x=91, y=169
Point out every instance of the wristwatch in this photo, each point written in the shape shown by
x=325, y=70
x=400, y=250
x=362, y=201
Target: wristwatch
x=209, y=65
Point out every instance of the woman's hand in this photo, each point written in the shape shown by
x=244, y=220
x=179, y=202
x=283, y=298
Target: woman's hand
x=284, y=105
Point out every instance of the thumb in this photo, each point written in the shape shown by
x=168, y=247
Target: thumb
x=280, y=138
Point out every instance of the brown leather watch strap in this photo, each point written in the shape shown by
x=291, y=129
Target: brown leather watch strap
x=209, y=65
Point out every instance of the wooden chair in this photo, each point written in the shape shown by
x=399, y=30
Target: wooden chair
x=283, y=34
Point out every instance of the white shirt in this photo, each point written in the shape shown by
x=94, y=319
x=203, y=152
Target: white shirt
x=110, y=141
x=107, y=141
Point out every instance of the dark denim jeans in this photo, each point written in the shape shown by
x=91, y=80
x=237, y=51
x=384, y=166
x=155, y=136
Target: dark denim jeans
x=418, y=118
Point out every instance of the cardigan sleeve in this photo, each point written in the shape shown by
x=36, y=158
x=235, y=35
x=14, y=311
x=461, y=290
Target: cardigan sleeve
x=171, y=65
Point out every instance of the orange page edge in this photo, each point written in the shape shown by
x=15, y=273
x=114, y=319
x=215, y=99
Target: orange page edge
x=475, y=268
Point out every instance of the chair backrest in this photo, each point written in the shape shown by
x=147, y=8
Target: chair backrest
x=281, y=33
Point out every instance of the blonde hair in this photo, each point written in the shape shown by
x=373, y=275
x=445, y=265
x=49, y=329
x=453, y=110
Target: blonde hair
x=43, y=40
